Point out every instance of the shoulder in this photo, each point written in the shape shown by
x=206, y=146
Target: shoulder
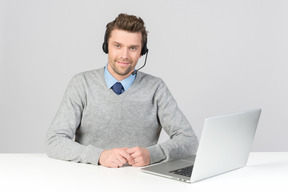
x=150, y=79
x=151, y=83
x=96, y=73
x=86, y=79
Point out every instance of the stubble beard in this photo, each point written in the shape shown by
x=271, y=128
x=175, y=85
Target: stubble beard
x=120, y=71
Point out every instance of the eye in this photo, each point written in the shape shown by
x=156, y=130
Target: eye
x=133, y=48
x=117, y=46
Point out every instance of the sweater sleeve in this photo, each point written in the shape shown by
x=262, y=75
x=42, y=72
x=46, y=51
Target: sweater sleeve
x=60, y=136
x=183, y=141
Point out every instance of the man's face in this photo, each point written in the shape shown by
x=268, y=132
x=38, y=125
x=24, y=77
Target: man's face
x=124, y=51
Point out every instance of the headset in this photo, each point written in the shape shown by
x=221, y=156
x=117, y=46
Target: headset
x=144, y=49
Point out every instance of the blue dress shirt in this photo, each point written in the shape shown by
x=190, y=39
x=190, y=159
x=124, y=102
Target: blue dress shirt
x=110, y=80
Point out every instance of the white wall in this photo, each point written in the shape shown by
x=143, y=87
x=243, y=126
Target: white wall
x=215, y=56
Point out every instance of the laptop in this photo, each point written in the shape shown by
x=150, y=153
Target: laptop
x=224, y=146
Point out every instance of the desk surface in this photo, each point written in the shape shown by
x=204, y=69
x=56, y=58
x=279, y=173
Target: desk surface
x=37, y=172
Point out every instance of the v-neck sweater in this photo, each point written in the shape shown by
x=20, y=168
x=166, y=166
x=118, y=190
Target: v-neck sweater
x=92, y=118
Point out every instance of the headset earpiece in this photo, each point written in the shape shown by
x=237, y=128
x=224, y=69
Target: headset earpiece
x=144, y=49
x=105, y=44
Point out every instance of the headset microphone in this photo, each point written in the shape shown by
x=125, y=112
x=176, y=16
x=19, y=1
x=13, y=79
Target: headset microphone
x=135, y=71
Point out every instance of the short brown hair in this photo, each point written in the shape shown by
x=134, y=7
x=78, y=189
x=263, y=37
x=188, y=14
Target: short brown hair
x=129, y=23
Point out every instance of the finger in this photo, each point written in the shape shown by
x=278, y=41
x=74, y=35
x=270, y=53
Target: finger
x=113, y=165
x=137, y=164
x=136, y=154
x=118, y=162
x=131, y=150
x=127, y=156
x=122, y=159
x=139, y=160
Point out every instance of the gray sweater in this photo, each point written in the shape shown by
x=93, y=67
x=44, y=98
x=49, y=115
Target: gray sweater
x=92, y=118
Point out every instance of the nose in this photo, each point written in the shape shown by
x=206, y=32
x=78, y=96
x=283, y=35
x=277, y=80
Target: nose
x=124, y=53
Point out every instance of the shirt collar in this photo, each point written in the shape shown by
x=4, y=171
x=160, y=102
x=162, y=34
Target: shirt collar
x=110, y=80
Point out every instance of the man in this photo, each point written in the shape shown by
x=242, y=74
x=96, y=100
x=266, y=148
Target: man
x=113, y=116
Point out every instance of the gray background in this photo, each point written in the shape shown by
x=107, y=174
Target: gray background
x=215, y=56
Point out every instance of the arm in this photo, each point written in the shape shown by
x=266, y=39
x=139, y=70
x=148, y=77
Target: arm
x=60, y=136
x=183, y=141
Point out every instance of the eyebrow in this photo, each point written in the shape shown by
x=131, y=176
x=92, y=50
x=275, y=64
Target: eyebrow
x=115, y=42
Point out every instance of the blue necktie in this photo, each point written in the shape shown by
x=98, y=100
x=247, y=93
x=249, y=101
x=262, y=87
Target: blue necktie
x=117, y=88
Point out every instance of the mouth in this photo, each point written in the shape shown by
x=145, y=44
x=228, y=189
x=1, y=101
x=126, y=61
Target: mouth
x=123, y=63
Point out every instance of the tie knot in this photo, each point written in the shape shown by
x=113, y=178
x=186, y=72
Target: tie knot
x=117, y=88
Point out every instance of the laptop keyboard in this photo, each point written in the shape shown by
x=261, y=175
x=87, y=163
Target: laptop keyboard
x=186, y=171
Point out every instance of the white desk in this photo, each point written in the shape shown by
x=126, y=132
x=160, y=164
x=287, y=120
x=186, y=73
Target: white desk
x=37, y=172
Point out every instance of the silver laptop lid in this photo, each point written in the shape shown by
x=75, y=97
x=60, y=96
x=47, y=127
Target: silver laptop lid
x=225, y=143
